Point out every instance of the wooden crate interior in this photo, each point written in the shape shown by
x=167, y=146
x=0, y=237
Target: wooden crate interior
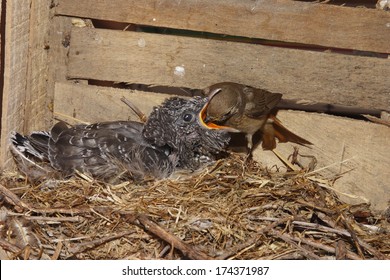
x=74, y=60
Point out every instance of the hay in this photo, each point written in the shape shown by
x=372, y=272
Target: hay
x=231, y=210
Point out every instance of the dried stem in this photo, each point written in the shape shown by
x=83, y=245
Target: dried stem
x=92, y=244
x=168, y=237
x=143, y=118
x=255, y=240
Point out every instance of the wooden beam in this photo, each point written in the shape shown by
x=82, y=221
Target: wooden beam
x=279, y=20
x=37, y=112
x=15, y=72
x=196, y=63
x=60, y=31
x=24, y=106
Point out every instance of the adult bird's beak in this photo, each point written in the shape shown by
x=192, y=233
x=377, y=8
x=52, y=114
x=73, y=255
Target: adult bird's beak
x=206, y=121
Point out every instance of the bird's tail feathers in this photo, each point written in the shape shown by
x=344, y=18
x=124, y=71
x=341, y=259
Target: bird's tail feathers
x=29, y=159
x=34, y=145
x=276, y=129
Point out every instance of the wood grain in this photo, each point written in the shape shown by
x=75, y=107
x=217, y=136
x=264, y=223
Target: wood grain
x=87, y=104
x=279, y=20
x=364, y=145
x=37, y=113
x=60, y=31
x=25, y=69
x=196, y=63
x=15, y=72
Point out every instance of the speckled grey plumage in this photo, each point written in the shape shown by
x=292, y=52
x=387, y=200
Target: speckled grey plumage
x=172, y=139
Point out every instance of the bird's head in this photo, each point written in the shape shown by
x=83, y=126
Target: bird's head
x=223, y=102
x=177, y=124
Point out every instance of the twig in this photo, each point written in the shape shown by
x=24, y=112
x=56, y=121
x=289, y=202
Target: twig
x=255, y=240
x=135, y=109
x=328, y=166
x=341, y=250
x=312, y=164
x=320, y=183
x=92, y=244
x=327, y=219
x=285, y=161
x=377, y=120
x=244, y=250
x=293, y=254
x=326, y=248
x=288, y=239
x=175, y=242
x=13, y=199
x=310, y=226
x=360, y=243
x=372, y=250
x=342, y=232
x=57, y=251
x=73, y=211
x=353, y=236
x=48, y=219
x=322, y=209
x=16, y=201
x=294, y=157
x=9, y=246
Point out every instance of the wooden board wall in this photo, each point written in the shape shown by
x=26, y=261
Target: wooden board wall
x=136, y=57
x=299, y=74
x=279, y=20
x=24, y=91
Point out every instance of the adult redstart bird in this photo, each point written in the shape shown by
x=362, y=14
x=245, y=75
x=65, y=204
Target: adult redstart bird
x=240, y=108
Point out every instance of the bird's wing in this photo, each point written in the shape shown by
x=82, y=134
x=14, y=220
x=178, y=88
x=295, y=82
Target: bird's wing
x=260, y=102
x=104, y=149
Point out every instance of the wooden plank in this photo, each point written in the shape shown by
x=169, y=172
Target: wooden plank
x=196, y=63
x=279, y=20
x=24, y=92
x=75, y=103
x=37, y=115
x=60, y=32
x=362, y=145
x=15, y=72
x=335, y=139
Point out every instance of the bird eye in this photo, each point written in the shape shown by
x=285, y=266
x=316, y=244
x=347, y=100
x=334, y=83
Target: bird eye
x=187, y=117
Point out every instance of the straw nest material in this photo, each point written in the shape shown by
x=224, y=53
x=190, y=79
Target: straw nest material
x=234, y=209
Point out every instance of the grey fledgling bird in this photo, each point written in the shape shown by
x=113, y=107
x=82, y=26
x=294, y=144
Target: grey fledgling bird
x=173, y=138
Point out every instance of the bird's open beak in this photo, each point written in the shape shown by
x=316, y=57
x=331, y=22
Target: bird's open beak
x=204, y=119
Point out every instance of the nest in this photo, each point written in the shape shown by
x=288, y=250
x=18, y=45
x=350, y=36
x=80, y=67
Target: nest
x=234, y=209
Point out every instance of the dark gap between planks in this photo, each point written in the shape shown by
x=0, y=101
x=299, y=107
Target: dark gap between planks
x=369, y=4
x=105, y=24
x=284, y=104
